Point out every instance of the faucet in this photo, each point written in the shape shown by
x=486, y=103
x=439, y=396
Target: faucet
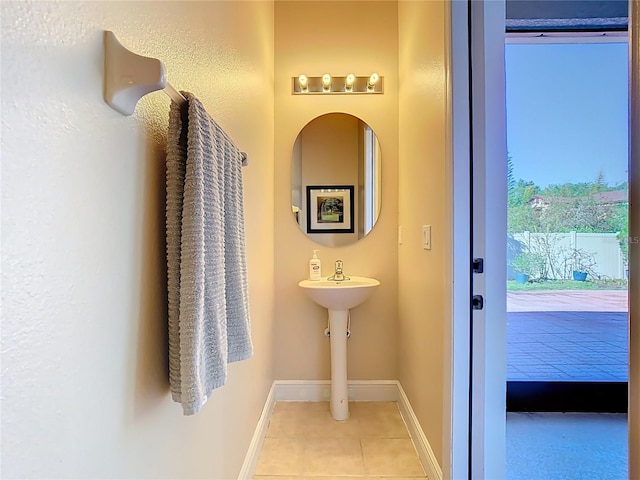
x=338, y=276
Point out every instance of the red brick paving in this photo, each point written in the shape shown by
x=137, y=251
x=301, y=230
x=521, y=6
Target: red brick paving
x=567, y=301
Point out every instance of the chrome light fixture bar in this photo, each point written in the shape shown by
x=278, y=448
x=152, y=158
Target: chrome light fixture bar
x=329, y=84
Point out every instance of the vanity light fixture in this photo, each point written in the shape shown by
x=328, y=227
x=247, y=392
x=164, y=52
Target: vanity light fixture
x=328, y=84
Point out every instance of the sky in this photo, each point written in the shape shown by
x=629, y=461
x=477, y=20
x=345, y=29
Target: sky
x=567, y=112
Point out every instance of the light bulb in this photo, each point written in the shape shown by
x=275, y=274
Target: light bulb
x=326, y=82
x=303, y=81
x=349, y=82
x=373, y=79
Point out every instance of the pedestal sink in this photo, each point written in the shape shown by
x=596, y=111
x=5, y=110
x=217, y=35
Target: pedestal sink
x=338, y=297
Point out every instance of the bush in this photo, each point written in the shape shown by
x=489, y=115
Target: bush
x=529, y=263
x=580, y=260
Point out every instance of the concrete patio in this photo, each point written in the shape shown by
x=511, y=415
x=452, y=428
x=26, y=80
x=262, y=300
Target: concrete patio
x=567, y=335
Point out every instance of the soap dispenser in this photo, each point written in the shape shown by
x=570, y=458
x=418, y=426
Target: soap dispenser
x=315, y=267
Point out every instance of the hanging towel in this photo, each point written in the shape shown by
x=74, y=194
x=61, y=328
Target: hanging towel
x=209, y=322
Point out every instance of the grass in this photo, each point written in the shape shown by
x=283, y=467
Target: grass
x=512, y=286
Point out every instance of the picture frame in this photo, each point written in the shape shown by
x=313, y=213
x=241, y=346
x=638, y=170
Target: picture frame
x=330, y=209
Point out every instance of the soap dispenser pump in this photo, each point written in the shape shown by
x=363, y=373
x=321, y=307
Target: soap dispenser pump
x=315, y=267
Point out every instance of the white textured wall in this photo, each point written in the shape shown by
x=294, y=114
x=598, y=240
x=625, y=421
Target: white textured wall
x=424, y=199
x=84, y=349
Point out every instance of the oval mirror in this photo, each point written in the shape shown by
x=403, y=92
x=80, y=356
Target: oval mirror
x=335, y=184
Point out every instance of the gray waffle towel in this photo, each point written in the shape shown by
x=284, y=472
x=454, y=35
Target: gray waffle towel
x=206, y=268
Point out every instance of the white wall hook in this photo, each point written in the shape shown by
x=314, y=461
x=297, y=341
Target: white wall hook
x=128, y=77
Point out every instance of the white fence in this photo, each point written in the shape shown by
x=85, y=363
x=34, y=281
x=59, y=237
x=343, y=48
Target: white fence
x=604, y=248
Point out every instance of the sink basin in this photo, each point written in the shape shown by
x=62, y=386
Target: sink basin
x=341, y=295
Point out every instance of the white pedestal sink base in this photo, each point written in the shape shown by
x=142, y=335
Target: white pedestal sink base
x=338, y=297
x=339, y=394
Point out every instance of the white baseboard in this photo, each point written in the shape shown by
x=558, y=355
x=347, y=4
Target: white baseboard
x=359, y=391
x=253, y=453
x=427, y=457
x=320, y=390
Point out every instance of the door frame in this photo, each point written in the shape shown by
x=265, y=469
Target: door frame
x=634, y=237
x=462, y=403
x=489, y=239
x=477, y=120
x=456, y=458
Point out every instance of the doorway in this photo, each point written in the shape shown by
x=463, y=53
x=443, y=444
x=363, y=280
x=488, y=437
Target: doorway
x=476, y=138
x=567, y=262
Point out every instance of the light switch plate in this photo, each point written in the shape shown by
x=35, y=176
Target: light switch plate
x=426, y=237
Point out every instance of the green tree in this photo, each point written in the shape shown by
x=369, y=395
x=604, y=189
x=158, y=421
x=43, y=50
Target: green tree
x=523, y=218
x=623, y=240
x=522, y=193
x=565, y=207
x=511, y=181
x=601, y=184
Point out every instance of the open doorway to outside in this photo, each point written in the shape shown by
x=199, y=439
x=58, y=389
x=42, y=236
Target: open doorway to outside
x=567, y=255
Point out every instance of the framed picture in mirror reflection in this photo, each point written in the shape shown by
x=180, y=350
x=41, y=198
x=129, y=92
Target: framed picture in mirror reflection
x=330, y=209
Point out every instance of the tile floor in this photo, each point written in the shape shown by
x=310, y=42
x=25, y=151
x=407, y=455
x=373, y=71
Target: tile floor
x=303, y=441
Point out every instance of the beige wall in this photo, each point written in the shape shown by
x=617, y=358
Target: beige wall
x=84, y=349
x=335, y=37
x=424, y=199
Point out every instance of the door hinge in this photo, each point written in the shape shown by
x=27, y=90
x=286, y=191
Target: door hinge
x=477, y=302
x=478, y=265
